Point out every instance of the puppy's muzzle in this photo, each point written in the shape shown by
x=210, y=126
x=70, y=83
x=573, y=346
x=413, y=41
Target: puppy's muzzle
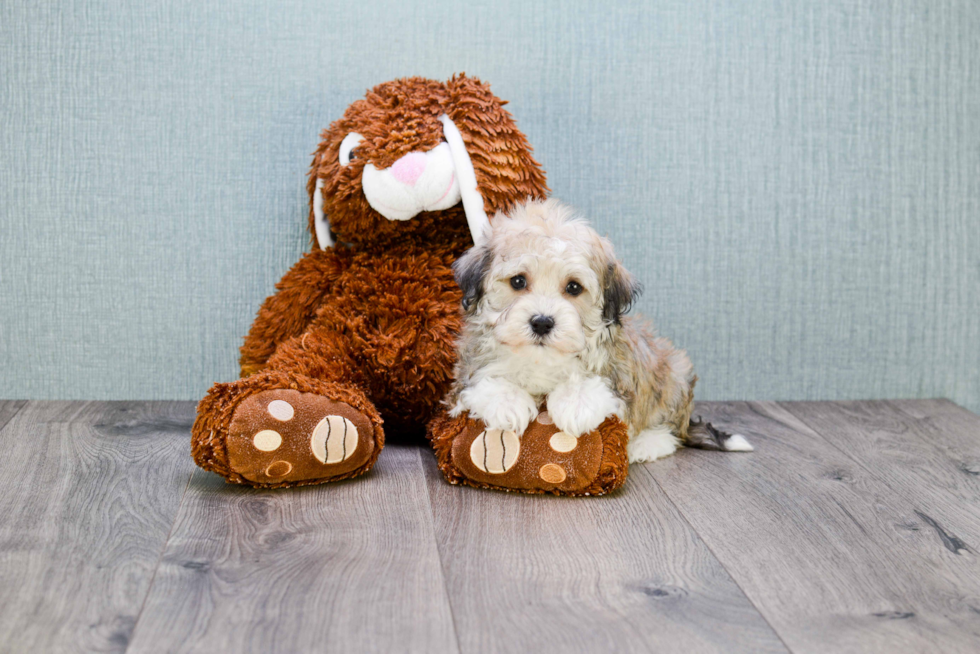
x=542, y=325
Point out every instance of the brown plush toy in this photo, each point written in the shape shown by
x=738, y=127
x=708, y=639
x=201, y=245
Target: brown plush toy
x=543, y=460
x=361, y=329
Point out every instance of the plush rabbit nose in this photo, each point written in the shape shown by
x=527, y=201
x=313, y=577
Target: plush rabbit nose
x=409, y=168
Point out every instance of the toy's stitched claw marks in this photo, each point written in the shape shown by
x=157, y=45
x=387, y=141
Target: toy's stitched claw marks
x=495, y=451
x=334, y=439
x=476, y=216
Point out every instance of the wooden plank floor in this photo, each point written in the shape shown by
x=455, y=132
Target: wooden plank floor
x=853, y=527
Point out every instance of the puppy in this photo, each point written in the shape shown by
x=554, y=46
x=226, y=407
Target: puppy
x=544, y=298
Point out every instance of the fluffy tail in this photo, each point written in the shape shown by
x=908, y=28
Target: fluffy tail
x=703, y=435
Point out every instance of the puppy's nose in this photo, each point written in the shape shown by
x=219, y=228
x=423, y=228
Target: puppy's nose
x=409, y=168
x=541, y=325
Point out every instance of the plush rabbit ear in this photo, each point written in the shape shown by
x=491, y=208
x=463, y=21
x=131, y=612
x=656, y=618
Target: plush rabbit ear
x=500, y=156
x=476, y=216
x=320, y=222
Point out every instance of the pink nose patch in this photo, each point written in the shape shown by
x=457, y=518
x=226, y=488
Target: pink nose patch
x=409, y=168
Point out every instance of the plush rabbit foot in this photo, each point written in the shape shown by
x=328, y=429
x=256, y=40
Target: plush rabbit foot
x=273, y=429
x=283, y=436
x=542, y=460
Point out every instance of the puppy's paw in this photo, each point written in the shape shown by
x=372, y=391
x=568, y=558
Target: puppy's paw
x=578, y=407
x=651, y=444
x=510, y=413
x=499, y=404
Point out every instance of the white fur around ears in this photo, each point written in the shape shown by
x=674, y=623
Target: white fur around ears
x=476, y=215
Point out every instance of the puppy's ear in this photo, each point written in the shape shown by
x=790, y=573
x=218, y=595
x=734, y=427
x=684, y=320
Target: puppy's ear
x=470, y=270
x=620, y=291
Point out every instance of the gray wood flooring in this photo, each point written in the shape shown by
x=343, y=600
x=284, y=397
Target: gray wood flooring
x=853, y=527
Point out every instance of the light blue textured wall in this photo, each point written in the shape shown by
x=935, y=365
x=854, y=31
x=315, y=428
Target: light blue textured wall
x=797, y=183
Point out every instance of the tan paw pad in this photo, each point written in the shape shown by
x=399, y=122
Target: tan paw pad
x=495, y=451
x=279, y=469
x=334, y=439
x=267, y=440
x=552, y=473
x=284, y=436
x=280, y=410
x=562, y=442
x=544, y=418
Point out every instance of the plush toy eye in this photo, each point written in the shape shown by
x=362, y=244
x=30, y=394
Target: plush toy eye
x=347, y=148
x=573, y=288
x=517, y=282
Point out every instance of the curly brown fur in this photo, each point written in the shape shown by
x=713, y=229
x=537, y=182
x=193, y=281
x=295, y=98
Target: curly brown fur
x=373, y=319
x=402, y=116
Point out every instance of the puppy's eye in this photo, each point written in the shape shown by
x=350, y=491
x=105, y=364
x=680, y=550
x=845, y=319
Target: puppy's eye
x=347, y=151
x=573, y=288
x=517, y=282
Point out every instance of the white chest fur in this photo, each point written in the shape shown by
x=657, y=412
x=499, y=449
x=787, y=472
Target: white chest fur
x=538, y=370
